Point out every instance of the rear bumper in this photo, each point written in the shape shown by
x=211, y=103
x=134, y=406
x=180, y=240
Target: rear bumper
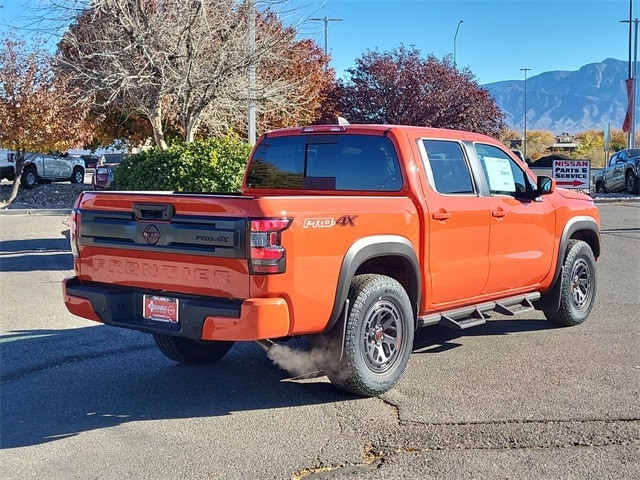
x=200, y=318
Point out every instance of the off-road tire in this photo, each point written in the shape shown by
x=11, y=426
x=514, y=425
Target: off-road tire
x=77, y=176
x=378, y=337
x=578, y=288
x=191, y=352
x=600, y=187
x=29, y=178
x=631, y=184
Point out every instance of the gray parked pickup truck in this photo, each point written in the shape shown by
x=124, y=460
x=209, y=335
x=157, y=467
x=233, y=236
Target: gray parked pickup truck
x=621, y=173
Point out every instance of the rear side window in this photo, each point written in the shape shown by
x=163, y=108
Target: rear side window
x=325, y=162
x=449, y=169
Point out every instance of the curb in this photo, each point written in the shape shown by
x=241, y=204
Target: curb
x=37, y=211
x=617, y=200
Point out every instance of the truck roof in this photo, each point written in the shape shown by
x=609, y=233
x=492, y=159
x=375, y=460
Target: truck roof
x=380, y=129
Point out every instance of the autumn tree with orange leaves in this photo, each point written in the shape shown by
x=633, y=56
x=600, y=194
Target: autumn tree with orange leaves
x=35, y=107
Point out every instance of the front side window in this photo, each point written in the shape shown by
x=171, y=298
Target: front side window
x=326, y=162
x=448, y=167
x=503, y=174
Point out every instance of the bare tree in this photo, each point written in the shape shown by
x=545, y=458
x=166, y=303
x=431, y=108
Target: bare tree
x=174, y=60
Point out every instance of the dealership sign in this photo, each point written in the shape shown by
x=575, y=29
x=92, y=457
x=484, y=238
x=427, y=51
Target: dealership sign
x=572, y=173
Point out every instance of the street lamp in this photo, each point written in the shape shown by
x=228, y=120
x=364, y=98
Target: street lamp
x=525, y=70
x=455, y=37
x=326, y=30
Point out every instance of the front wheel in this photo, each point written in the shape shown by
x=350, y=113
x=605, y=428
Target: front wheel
x=632, y=185
x=29, y=177
x=191, y=352
x=578, y=288
x=77, y=176
x=378, y=337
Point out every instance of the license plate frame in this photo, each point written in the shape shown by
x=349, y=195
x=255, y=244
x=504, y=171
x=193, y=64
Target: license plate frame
x=163, y=309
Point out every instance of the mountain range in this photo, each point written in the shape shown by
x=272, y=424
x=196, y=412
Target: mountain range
x=564, y=101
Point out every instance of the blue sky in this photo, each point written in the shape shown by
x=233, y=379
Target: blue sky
x=496, y=39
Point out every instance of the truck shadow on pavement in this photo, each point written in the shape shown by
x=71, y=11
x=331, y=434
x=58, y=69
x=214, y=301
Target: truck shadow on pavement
x=438, y=339
x=60, y=383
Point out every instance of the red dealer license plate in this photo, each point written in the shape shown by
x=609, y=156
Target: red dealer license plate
x=160, y=309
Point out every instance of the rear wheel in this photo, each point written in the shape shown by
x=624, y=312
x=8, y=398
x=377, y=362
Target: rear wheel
x=191, y=352
x=631, y=183
x=378, y=337
x=77, y=176
x=578, y=288
x=29, y=177
x=600, y=188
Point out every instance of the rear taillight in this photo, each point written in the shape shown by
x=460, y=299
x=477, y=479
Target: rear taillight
x=74, y=224
x=266, y=254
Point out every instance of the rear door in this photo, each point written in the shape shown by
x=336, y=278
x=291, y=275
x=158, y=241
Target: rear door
x=458, y=224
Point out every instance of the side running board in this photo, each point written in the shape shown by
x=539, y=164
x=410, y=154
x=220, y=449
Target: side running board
x=467, y=317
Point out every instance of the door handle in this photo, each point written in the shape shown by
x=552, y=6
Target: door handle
x=500, y=213
x=441, y=215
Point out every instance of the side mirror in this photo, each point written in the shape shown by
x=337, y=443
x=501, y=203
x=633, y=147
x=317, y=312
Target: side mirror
x=546, y=185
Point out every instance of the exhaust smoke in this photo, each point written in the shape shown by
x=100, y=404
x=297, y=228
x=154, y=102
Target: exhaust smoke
x=300, y=363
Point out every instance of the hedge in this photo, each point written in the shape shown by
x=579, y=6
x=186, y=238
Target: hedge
x=212, y=165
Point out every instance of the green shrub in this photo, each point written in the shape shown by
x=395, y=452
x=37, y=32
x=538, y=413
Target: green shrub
x=212, y=165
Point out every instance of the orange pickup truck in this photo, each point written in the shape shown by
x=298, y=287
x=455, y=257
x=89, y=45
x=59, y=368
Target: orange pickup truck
x=354, y=235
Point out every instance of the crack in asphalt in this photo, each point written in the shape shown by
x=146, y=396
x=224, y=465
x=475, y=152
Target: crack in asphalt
x=64, y=361
x=412, y=436
x=513, y=434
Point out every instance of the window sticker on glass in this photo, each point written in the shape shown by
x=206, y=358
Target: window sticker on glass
x=500, y=174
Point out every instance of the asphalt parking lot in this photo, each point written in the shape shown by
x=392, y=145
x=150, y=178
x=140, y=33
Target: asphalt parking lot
x=515, y=398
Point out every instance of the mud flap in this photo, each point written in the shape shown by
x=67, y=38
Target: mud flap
x=550, y=300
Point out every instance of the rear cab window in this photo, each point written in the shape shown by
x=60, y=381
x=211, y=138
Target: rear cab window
x=325, y=162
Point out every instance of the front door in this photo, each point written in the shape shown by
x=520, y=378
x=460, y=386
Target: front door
x=522, y=237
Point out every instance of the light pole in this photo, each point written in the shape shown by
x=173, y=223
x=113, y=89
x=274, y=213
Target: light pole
x=326, y=21
x=525, y=70
x=455, y=37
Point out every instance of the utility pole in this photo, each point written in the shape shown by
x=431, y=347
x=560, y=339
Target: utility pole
x=525, y=70
x=326, y=21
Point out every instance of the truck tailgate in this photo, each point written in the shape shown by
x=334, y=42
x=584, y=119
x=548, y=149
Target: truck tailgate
x=186, y=243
